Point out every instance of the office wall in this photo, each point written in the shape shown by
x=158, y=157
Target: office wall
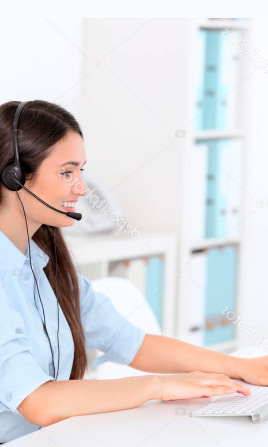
x=41, y=59
x=134, y=102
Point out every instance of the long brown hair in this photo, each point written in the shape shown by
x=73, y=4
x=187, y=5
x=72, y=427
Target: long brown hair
x=42, y=124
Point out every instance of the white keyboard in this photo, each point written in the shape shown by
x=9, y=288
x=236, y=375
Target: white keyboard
x=254, y=405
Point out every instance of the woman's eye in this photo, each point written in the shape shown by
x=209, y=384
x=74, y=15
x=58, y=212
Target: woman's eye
x=70, y=172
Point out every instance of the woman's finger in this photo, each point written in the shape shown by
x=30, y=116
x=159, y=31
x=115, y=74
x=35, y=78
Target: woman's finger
x=239, y=387
x=226, y=382
x=217, y=391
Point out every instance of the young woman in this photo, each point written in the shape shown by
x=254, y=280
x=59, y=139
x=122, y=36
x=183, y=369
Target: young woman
x=51, y=150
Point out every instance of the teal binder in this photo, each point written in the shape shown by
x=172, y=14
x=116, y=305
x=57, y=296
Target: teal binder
x=224, y=84
x=222, y=194
x=226, y=97
x=154, y=287
x=234, y=188
x=220, y=293
x=212, y=188
x=212, y=67
x=215, y=91
x=199, y=79
x=217, y=193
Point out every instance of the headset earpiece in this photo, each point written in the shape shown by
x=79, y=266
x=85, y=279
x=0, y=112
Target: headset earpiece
x=14, y=170
x=10, y=172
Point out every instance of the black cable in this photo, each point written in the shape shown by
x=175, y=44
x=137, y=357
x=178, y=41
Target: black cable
x=44, y=322
x=56, y=270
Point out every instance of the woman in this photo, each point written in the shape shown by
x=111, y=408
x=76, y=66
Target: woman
x=31, y=394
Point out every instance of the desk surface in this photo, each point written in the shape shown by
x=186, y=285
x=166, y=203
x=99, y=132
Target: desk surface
x=153, y=424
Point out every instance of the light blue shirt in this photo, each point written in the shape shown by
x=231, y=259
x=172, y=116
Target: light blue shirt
x=25, y=356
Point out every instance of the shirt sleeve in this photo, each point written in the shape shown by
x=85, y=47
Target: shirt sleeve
x=105, y=328
x=20, y=374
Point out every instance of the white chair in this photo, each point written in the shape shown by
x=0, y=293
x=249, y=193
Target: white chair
x=129, y=302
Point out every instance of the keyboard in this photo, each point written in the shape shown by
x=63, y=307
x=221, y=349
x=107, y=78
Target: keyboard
x=254, y=405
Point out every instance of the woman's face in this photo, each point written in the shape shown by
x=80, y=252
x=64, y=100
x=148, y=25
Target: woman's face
x=54, y=185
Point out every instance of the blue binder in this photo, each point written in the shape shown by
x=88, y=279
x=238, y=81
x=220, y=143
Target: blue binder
x=222, y=193
x=217, y=195
x=212, y=67
x=154, y=286
x=224, y=83
x=226, y=97
x=234, y=188
x=220, y=292
x=212, y=187
x=199, y=79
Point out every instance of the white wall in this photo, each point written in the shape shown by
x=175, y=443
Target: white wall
x=133, y=106
x=40, y=60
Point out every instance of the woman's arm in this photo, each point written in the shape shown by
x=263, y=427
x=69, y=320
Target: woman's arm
x=57, y=400
x=161, y=354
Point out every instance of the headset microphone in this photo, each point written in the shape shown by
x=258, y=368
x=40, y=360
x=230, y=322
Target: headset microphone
x=76, y=216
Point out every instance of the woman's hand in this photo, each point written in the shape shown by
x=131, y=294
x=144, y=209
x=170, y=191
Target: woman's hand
x=254, y=370
x=196, y=384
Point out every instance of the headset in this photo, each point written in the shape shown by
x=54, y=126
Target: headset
x=13, y=177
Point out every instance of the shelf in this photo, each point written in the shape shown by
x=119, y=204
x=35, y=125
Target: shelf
x=91, y=249
x=218, y=134
x=211, y=243
x=92, y=255
x=223, y=23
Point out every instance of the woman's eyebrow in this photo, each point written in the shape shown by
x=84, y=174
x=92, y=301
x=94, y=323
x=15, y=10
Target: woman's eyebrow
x=74, y=163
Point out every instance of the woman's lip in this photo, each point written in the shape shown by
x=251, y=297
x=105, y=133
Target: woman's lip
x=67, y=208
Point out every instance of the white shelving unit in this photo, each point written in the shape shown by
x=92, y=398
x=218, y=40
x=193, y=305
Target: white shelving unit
x=160, y=191
x=186, y=246
x=92, y=255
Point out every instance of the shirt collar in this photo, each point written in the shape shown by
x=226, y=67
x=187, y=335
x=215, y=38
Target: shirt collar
x=13, y=258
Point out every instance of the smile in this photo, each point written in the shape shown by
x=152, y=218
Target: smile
x=68, y=205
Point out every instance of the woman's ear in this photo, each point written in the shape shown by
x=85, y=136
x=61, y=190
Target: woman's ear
x=29, y=182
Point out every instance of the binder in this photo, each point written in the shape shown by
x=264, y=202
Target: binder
x=196, y=303
x=220, y=83
x=199, y=78
x=212, y=66
x=212, y=196
x=220, y=292
x=222, y=193
x=227, y=87
x=198, y=185
x=154, y=286
x=234, y=189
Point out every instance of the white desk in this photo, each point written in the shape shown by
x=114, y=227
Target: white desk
x=152, y=424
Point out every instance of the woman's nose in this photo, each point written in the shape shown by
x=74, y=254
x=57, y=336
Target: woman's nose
x=79, y=188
